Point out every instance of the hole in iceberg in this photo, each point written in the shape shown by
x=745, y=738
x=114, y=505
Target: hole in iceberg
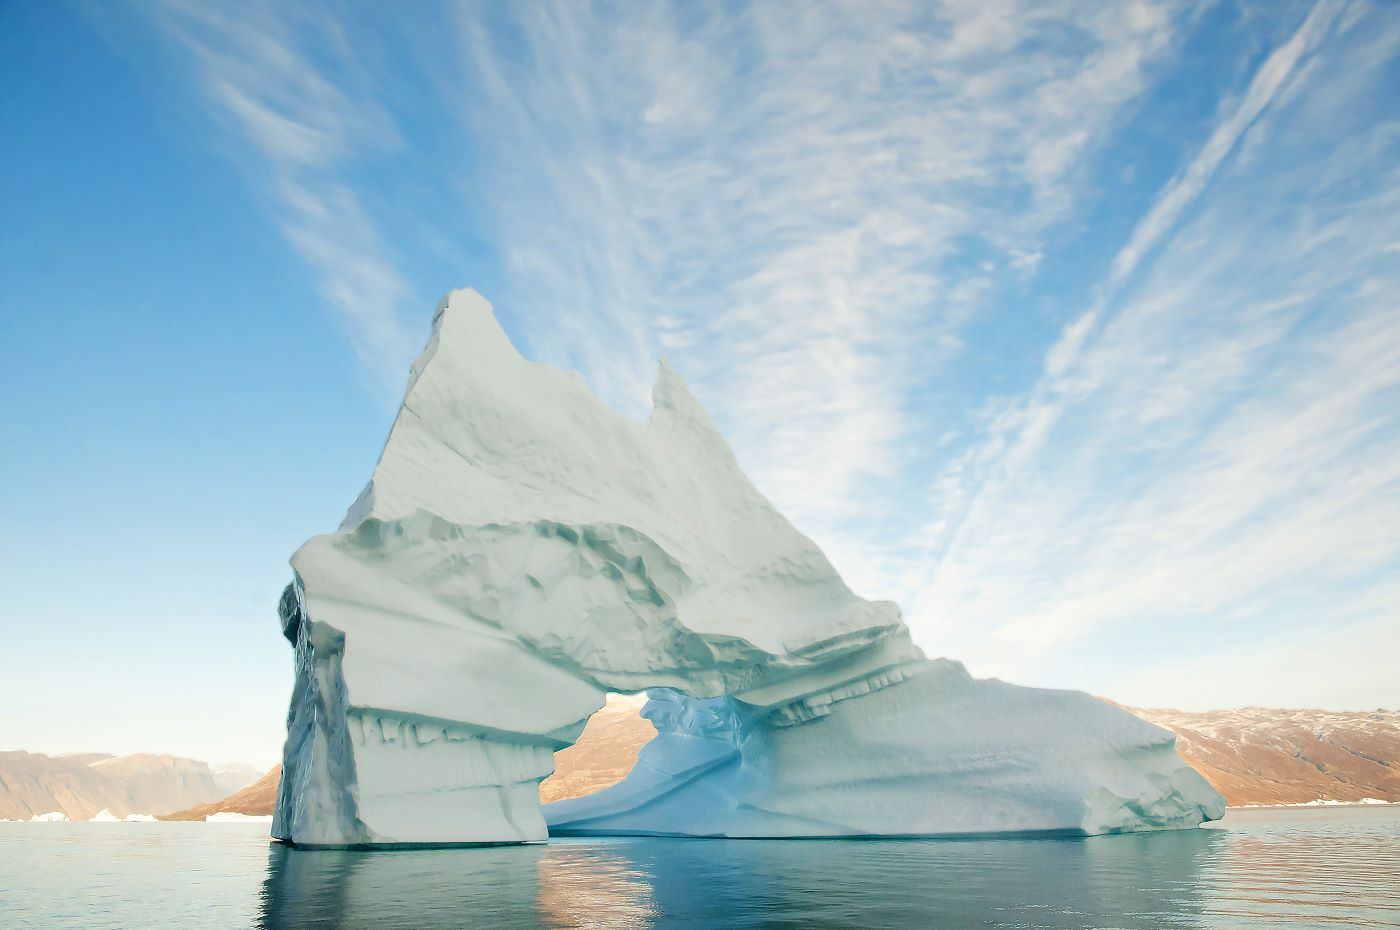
x=604, y=753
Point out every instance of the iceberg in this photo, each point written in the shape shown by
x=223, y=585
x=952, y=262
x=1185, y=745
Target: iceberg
x=106, y=816
x=521, y=550
x=235, y=817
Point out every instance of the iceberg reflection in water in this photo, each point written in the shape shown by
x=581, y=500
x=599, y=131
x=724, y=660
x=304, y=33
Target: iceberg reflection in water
x=1321, y=867
x=1337, y=867
x=1126, y=881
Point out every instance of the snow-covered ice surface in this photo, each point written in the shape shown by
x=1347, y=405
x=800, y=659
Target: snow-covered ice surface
x=235, y=817
x=521, y=549
x=106, y=816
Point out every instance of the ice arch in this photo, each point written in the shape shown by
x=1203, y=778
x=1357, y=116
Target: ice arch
x=521, y=549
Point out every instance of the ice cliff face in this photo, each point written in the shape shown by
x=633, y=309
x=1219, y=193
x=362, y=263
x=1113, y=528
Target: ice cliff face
x=521, y=549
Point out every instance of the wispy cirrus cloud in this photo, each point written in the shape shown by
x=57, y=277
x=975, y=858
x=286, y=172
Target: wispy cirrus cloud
x=802, y=206
x=1211, y=456
x=1021, y=427
x=287, y=89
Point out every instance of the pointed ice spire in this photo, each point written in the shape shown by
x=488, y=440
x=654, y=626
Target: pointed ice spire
x=675, y=409
x=465, y=322
x=471, y=322
x=671, y=400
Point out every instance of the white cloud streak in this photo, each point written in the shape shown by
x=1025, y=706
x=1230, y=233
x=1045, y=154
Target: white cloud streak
x=788, y=202
x=1184, y=189
x=1219, y=461
x=300, y=115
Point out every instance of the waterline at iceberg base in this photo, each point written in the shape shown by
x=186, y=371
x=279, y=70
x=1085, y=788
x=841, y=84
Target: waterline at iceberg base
x=522, y=549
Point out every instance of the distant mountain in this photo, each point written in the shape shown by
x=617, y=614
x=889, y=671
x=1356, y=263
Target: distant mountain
x=234, y=776
x=81, y=785
x=1252, y=755
x=1257, y=755
x=32, y=783
x=257, y=799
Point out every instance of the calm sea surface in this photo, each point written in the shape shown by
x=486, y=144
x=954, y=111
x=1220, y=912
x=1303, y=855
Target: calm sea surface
x=1330, y=867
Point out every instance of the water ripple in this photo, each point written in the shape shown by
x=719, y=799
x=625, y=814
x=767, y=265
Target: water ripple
x=1335, y=867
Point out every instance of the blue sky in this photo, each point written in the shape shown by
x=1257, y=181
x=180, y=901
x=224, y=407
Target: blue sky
x=1070, y=327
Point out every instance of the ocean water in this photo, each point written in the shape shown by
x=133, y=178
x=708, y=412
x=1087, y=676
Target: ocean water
x=1329, y=867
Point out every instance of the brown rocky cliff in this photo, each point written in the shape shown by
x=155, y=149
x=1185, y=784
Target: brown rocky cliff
x=83, y=784
x=1259, y=755
x=258, y=799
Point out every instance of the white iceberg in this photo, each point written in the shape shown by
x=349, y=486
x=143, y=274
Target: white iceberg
x=50, y=817
x=521, y=550
x=104, y=816
x=235, y=817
